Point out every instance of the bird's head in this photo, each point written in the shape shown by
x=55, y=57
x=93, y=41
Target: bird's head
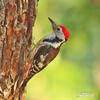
x=60, y=31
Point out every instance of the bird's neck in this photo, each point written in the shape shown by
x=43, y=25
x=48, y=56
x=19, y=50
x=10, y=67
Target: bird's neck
x=54, y=41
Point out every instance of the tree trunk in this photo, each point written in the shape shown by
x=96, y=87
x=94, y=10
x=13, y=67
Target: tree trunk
x=17, y=18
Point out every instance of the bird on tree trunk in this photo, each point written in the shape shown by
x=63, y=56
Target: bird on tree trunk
x=47, y=48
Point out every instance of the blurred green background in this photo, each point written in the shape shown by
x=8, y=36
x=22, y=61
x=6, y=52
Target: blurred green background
x=76, y=70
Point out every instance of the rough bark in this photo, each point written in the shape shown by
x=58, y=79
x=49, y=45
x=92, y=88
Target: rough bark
x=17, y=18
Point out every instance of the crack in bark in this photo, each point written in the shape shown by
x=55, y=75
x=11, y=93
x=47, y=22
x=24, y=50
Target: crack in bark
x=2, y=55
x=6, y=15
x=18, y=6
x=11, y=67
x=1, y=94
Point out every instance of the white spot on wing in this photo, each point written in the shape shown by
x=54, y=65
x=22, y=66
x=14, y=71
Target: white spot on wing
x=42, y=58
x=40, y=65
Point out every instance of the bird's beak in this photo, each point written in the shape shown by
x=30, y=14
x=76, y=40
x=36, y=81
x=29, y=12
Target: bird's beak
x=53, y=23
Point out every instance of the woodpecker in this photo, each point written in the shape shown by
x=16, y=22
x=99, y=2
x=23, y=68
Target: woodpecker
x=47, y=48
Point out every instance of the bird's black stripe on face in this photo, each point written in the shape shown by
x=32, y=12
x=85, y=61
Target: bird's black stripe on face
x=53, y=40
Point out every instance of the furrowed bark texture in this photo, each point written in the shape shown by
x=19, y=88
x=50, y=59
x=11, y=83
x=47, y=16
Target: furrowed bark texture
x=17, y=18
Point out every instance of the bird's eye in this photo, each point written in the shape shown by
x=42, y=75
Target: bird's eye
x=58, y=29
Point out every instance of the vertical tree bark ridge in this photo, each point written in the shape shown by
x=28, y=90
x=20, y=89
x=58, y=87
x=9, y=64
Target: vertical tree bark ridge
x=17, y=18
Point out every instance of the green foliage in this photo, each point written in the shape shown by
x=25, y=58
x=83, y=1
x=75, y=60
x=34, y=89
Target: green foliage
x=72, y=72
